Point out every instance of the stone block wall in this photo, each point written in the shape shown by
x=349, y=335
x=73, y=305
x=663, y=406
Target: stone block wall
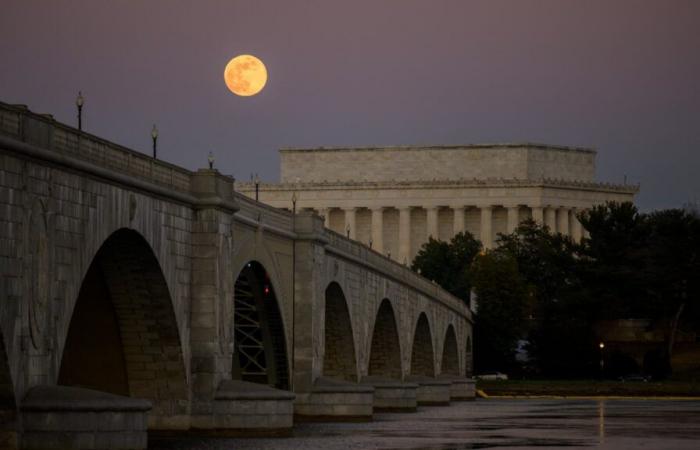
x=492, y=161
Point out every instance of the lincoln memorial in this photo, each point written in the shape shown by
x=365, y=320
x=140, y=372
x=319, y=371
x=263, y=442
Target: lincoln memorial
x=394, y=198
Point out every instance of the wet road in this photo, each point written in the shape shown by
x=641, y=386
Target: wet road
x=493, y=423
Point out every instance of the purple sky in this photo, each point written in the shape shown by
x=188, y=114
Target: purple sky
x=620, y=76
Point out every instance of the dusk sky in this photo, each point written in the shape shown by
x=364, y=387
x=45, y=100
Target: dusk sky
x=620, y=76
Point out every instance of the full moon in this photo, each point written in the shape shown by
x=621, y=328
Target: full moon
x=245, y=75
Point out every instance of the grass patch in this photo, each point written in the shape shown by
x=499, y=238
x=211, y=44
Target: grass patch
x=590, y=388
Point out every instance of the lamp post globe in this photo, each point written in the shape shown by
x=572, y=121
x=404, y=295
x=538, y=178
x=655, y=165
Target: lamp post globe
x=210, y=158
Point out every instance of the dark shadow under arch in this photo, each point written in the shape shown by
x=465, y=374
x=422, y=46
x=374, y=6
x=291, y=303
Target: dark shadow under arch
x=450, y=354
x=123, y=336
x=468, y=357
x=385, y=353
x=339, y=358
x=260, y=354
x=8, y=404
x=422, y=356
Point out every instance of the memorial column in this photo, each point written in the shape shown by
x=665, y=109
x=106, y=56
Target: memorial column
x=378, y=229
x=486, y=226
x=350, y=223
x=325, y=213
x=538, y=215
x=576, y=228
x=404, y=234
x=550, y=219
x=432, y=222
x=458, y=221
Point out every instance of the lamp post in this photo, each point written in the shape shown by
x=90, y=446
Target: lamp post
x=210, y=158
x=154, y=135
x=370, y=243
x=601, y=346
x=257, y=186
x=347, y=231
x=294, y=282
x=79, y=101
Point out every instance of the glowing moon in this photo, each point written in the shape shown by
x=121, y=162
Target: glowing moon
x=245, y=75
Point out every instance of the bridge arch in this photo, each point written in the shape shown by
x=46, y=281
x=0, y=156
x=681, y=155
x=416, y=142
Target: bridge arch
x=123, y=336
x=260, y=350
x=339, y=359
x=422, y=355
x=385, y=351
x=450, y=353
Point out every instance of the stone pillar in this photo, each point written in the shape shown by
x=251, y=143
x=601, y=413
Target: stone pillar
x=550, y=219
x=458, y=222
x=538, y=215
x=432, y=222
x=404, y=234
x=576, y=227
x=306, y=329
x=212, y=286
x=326, y=214
x=563, y=221
x=350, y=223
x=513, y=218
x=486, y=226
x=378, y=229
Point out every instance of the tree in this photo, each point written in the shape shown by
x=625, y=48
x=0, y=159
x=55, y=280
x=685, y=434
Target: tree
x=501, y=296
x=561, y=315
x=447, y=263
x=672, y=269
x=613, y=259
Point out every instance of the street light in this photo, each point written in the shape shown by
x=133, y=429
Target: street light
x=347, y=230
x=210, y=158
x=79, y=103
x=257, y=186
x=294, y=202
x=154, y=135
x=601, y=346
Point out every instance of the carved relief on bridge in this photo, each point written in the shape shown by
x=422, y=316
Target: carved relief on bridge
x=37, y=269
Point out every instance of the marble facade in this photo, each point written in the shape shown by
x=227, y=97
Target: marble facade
x=394, y=198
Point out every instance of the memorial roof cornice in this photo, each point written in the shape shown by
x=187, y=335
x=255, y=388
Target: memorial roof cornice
x=494, y=146
x=433, y=184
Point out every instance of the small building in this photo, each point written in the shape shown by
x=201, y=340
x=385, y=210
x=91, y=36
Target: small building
x=394, y=198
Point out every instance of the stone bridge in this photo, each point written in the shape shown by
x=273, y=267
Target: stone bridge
x=138, y=295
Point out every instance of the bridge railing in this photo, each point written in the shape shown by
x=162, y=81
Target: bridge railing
x=32, y=128
x=267, y=214
x=388, y=266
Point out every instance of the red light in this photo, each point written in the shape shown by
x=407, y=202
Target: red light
x=266, y=290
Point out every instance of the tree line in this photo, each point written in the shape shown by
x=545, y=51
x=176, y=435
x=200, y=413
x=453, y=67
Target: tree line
x=541, y=293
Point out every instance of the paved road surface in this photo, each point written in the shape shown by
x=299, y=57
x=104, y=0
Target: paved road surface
x=493, y=423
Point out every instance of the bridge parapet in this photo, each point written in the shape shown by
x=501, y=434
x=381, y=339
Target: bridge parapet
x=260, y=212
x=43, y=131
x=361, y=254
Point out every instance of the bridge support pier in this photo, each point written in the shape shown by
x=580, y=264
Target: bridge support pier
x=431, y=391
x=461, y=388
x=331, y=399
x=60, y=417
x=244, y=408
x=391, y=395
